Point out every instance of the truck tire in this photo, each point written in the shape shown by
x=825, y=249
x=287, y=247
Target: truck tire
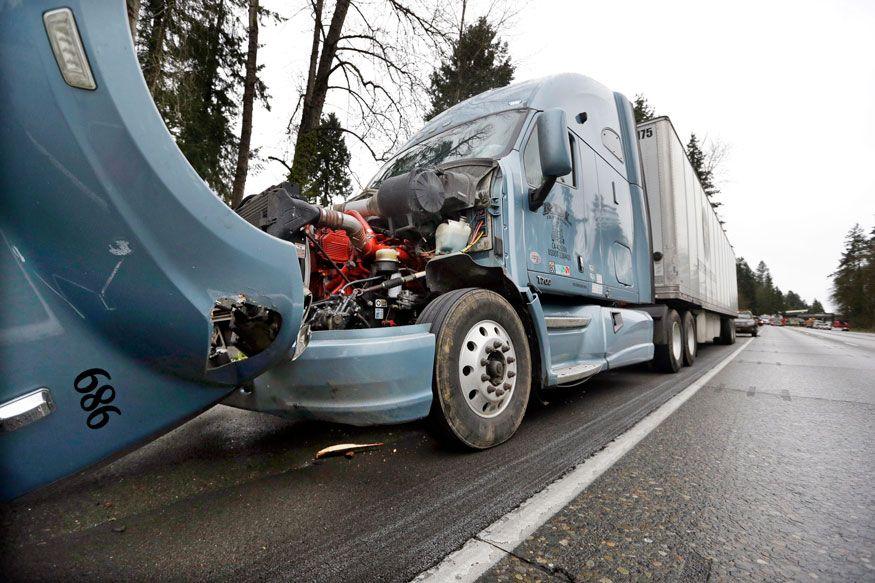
x=482, y=367
x=691, y=345
x=669, y=357
x=727, y=331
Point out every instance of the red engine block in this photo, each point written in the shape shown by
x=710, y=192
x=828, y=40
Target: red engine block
x=337, y=245
x=325, y=278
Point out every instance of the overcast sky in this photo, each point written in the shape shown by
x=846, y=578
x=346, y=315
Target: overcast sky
x=788, y=86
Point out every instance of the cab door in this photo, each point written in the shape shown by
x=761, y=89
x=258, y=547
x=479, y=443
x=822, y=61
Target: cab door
x=559, y=233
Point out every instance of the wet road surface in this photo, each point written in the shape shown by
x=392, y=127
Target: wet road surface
x=235, y=494
x=771, y=461
x=765, y=474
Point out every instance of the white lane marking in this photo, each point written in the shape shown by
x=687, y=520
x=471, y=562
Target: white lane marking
x=496, y=541
x=824, y=335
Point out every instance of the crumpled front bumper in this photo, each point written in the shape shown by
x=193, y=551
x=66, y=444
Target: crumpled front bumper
x=358, y=377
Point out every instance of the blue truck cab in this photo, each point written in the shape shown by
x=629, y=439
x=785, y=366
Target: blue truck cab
x=505, y=249
x=554, y=168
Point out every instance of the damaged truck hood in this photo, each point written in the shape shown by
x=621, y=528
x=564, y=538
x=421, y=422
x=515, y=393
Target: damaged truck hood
x=113, y=255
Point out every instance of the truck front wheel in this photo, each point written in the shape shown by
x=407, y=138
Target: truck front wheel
x=669, y=356
x=482, y=368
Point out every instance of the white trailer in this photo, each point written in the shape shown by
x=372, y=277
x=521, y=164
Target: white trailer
x=694, y=263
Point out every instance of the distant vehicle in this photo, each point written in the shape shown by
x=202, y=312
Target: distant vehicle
x=821, y=325
x=809, y=323
x=746, y=323
x=764, y=321
x=843, y=326
x=777, y=321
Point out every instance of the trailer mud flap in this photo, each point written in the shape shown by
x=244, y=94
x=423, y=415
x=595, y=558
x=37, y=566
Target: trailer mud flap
x=114, y=255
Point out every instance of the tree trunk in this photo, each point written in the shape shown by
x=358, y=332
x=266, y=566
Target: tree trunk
x=133, y=14
x=314, y=49
x=459, y=56
x=248, y=101
x=314, y=98
x=162, y=11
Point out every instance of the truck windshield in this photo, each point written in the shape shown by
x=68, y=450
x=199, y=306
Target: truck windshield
x=490, y=136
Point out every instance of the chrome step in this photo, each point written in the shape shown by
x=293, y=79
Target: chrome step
x=576, y=372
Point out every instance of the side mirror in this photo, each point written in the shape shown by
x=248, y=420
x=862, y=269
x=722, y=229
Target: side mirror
x=554, y=151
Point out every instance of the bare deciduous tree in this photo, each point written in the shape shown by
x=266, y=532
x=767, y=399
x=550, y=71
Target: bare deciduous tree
x=372, y=56
x=716, y=154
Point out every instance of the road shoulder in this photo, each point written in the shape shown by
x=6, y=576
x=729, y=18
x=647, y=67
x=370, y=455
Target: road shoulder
x=742, y=482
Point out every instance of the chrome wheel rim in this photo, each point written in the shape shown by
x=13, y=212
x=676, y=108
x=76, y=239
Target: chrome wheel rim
x=676, y=345
x=487, y=369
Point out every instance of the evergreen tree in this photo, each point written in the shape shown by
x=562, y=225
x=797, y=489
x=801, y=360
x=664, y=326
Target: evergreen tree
x=851, y=292
x=212, y=75
x=869, y=279
x=758, y=292
x=777, y=303
x=747, y=285
x=642, y=109
x=193, y=60
x=817, y=307
x=161, y=26
x=478, y=61
x=322, y=167
x=794, y=301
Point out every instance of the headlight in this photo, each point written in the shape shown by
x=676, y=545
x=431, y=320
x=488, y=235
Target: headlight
x=68, y=49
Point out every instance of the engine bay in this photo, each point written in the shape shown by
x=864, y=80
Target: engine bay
x=363, y=261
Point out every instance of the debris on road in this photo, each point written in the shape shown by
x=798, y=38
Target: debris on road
x=347, y=449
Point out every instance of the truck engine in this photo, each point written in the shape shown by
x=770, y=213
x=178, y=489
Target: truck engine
x=363, y=261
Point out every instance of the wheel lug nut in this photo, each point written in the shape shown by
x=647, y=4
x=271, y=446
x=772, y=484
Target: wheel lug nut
x=484, y=362
x=496, y=344
x=499, y=393
x=506, y=386
x=484, y=377
x=510, y=360
x=490, y=389
x=505, y=348
x=511, y=374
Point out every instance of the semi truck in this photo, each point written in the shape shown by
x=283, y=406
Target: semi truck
x=523, y=240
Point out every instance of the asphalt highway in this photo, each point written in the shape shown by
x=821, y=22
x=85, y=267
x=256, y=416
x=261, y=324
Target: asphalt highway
x=237, y=495
x=765, y=474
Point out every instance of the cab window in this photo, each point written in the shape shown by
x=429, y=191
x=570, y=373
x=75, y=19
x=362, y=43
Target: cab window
x=532, y=160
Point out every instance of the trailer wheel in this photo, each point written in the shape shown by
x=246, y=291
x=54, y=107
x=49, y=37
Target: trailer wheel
x=482, y=368
x=691, y=346
x=669, y=356
x=727, y=331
